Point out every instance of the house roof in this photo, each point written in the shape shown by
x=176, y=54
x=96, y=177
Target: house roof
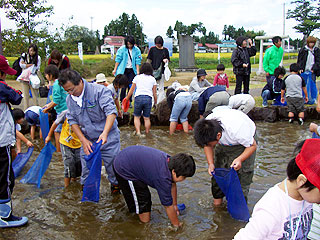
x=211, y=45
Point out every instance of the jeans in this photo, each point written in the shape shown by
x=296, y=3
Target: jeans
x=181, y=108
x=142, y=105
x=266, y=95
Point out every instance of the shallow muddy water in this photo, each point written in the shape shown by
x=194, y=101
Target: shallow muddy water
x=57, y=213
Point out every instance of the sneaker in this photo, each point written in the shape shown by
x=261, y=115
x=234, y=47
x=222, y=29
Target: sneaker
x=264, y=105
x=300, y=121
x=291, y=120
x=115, y=189
x=12, y=221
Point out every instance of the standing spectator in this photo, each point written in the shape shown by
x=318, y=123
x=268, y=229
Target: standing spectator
x=30, y=59
x=92, y=117
x=128, y=60
x=241, y=63
x=158, y=56
x=309, y=58
x=8, y=96
x=58, y=59
x=273, y=57
x=199, y=84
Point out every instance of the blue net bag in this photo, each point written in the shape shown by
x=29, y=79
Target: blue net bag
x=20, y=161
x=39, y=166
x=229, y=183
x=44, y=124
x=311, y=87
x=91, y=187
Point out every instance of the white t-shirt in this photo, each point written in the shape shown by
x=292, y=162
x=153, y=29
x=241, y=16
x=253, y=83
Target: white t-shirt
x=115, y=94
x=237, y=100
x=34, y=109
x=129, y=62
x=78, y=100
x=238, y=128
x=144, y=84
x=271, y=218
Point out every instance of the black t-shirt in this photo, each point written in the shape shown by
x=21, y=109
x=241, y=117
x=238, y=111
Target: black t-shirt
x=156, y=56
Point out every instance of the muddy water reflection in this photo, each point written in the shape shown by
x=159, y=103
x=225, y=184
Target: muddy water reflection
x=56, y=213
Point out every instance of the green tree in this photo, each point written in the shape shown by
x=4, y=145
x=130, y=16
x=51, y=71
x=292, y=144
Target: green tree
x=125, y=26
x=225, y=31
x=307, y=14
x=25, y=13
x=239, y=32
x=231, y=32
x=170, y=32
x=75, y=34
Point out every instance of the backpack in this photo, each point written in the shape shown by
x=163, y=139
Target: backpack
x=16, y=66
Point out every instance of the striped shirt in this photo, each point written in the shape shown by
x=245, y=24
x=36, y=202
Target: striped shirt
x=314, y=233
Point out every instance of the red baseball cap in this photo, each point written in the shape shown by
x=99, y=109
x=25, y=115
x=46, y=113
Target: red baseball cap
x=308, y=160
x=4, y=66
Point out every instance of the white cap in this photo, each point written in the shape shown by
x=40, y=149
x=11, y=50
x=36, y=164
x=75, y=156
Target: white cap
x=101, y=78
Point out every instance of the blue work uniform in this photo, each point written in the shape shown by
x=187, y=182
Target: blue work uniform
x=97, y=104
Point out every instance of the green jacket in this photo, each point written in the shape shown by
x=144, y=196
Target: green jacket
x=272, y=59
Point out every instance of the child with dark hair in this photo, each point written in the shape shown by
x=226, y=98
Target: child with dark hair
x=146, y=87
x=58, y=102
x=292, y=86
x=285, y=211
x=8, y=96
x=272, y=90
x=120, y=81
x=221, y=79
x=227, y=137
x=18, y=117
x=180, y=103
x=32, y=115
x=138, y=167
x=70, y=148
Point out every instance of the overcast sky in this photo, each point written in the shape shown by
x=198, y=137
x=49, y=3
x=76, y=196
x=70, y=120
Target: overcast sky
x=157, y=16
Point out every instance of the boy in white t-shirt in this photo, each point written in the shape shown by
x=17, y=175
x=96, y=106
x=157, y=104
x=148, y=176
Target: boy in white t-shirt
x=285, y=210
x=227, y=136
x=146, y=87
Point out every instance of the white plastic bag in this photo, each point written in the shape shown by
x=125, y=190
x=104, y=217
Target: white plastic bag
x=167, y=72
x=24, y=76
x=34, y=81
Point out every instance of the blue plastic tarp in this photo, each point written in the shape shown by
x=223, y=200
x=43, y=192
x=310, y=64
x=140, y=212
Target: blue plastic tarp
x=91, y=187
x=20, y=161
x=44, y=124
x=40, y=165
x=311, y=87
x=229, y=183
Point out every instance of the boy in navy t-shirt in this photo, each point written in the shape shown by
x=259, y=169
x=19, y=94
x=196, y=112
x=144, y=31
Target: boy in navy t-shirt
x=138, y=167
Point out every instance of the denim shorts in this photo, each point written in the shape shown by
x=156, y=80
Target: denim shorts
x=32, y=118
x=59, y=128
x=142, y=103
x=181, y=108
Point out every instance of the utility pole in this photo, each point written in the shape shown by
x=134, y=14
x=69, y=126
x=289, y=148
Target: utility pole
x=284, y=19
x=91, y=23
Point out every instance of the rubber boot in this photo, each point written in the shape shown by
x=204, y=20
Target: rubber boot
x=9, y=220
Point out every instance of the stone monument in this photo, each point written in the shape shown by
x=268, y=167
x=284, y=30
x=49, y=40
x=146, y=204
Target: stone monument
x=186, y=54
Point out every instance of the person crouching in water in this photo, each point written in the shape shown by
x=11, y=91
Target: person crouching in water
x=180, y=103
